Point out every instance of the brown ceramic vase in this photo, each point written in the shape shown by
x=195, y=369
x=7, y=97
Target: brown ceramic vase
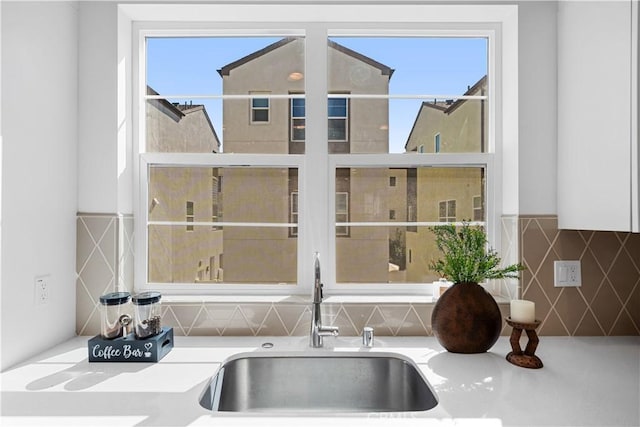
x=466, y=319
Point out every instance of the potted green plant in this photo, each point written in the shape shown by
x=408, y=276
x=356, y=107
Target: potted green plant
x=466, y=318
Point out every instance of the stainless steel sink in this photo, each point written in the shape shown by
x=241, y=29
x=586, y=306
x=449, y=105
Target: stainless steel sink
x=318, y=382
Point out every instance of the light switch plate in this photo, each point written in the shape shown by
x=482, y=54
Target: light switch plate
x=567, y=274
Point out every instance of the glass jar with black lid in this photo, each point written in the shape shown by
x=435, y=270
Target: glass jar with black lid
x=147, y=314
x=115, y=314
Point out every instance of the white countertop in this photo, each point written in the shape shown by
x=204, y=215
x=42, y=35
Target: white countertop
x=587, y=381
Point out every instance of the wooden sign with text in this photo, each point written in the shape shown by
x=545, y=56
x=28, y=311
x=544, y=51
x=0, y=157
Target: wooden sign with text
x=130, y=349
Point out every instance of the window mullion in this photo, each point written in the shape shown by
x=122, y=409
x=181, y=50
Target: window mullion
x=315, y=199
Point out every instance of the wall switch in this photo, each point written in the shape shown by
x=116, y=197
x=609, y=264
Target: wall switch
x=42, y=290
x=567, y=274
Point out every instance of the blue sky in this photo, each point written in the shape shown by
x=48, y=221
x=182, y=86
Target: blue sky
x=442, y=66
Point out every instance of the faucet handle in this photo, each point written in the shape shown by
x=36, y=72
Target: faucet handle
x=367, y=337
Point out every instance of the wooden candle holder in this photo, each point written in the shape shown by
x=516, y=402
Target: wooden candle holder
x=526, y=358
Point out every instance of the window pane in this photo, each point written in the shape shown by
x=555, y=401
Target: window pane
x=260, y=115
x=427, y=80
x=224, y=210
x=260, y=103
x=298, y=130
x=337, y=130
x=451, y=208
x=297, y=107
x=215, y=74
x=379, y=253
x=337, y=107
x=240, y=255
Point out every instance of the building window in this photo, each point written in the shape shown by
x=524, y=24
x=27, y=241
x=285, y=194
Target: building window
x=436, y=143
x=215, y=203
x=337, y=120
x=273, y=205
x=293, y=212
x=447, y=211
x=342, y=214
x=338, y=116
x=298, y=120
x=478, y=210
x=189, y=215
x=259, y=110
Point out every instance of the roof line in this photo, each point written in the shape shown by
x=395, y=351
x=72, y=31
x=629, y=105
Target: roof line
x=201, y=107
x=225, y=70
x=469, y=91
x=163, y=101
x=385, y=70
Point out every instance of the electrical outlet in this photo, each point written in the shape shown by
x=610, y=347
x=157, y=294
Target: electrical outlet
x=567, y=274
x=42, y=290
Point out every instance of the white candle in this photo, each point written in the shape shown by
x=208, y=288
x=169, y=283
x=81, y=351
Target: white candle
x=523, y=311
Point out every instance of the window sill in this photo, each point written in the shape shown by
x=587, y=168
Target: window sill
x=235, y=299
x=296, y=299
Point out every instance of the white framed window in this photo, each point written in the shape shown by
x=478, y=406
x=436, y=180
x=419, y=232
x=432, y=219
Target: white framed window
x=326, y=218
x=259, y=109
x=478, y=210
x=215, y=202
x=436, y=143
x=298, y=120
x=293, y=211
x=342, y=213
x=189, y=216
x=447, y=211
x=337, y=117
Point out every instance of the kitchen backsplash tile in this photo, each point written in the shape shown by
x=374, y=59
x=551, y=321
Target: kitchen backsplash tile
x=607, y=303
x=104, y=263
x=604, y=305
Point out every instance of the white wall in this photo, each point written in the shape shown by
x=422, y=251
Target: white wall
x=39, y=174
x=538, y=107
x=98, y=112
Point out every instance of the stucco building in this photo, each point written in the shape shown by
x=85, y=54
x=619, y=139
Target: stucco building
x=445, y=194
x=269, y=118
x=276, y=125
x=182, y=253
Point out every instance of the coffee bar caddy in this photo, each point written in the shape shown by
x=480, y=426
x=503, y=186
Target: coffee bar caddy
x=130, y=329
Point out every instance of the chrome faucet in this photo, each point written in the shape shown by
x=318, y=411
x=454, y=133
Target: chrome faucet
x=317, y=330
